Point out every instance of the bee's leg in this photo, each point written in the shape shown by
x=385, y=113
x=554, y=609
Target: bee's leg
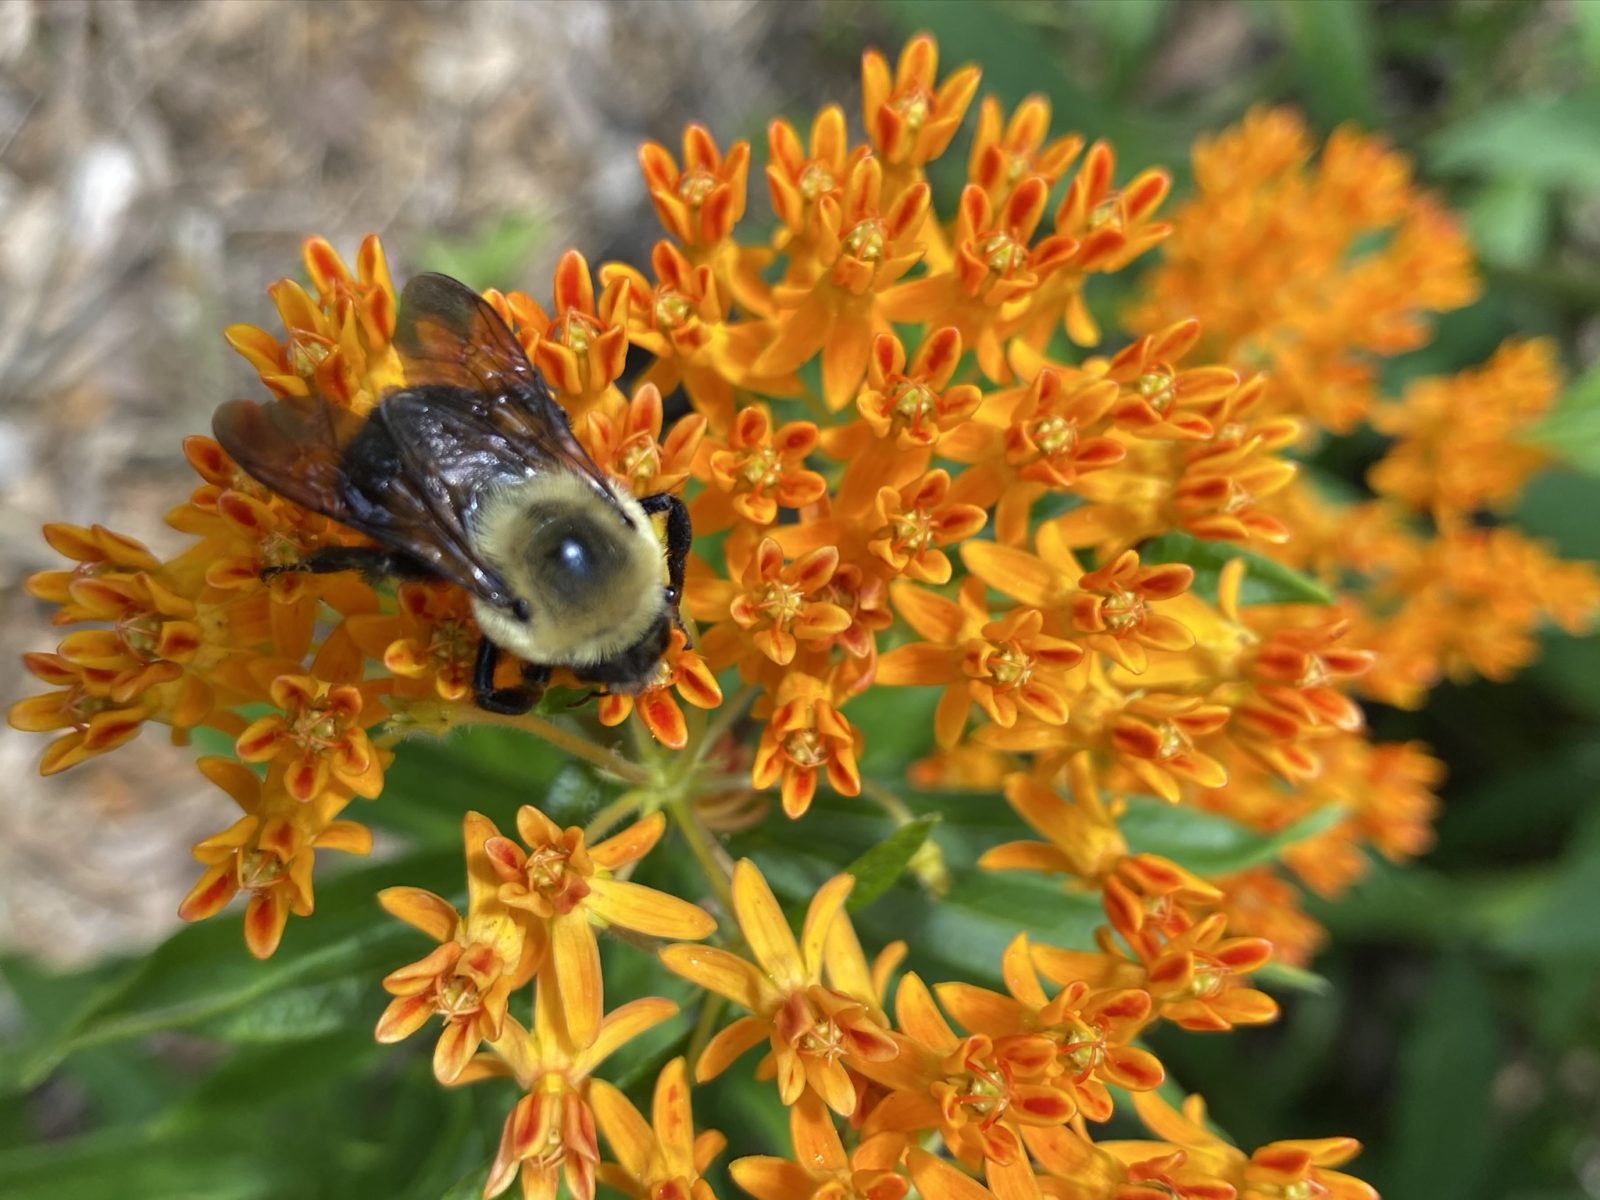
x=511, y=701
x=374, y=563
x=680, y=536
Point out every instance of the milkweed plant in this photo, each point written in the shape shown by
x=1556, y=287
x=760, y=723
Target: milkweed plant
x=1019, y=699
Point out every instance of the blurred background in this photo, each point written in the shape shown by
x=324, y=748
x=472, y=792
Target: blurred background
x=160, y=164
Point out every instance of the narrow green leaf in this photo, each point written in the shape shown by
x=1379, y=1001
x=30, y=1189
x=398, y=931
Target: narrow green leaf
x=203, y=972
x=1443, y=1135
x=1209, y=844
x=877, y=869
x=1265, y=581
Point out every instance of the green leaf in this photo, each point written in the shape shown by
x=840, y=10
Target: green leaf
x=297, y=1014
x=493, y=257
x=878, y=869
x=1559, y=924
x=1209, y=844
x=1443, y=1133
x=1509, y=218
x=1572, y=432
x=204, y=973
x=1546, y=142
x=1331, y=44
x=1265, y=581
x=187, y=1164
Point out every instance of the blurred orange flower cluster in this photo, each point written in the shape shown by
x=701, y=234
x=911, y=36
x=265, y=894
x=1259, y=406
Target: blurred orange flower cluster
x=909, y=463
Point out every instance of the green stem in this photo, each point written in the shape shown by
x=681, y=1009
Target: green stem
x=710, y=1010
x=612, y=815
x=727, y=715
x=561, y=739
x=713, y=860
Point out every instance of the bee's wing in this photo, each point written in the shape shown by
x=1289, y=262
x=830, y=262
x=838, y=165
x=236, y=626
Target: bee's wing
x=300, y=447
x=446, y=334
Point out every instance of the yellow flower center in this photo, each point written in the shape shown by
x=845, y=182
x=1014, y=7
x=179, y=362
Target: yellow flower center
x=780, y=602
x=315, y=728
x=911, y=404
x=452, y=641
x=761, y=468
x=672, y=311
x=867, y=240
x=1084, y=1048
x=1122, y=611
x=259, y=869
x=914, y=106
x=1003, y=254
x=1173, y=741
x=1315, y=673
x=816, y=180
x=459, y=998
x=1238, y=497
x=806, y=748
x=911, y=532
x=579, y=331
x=306, y=352
x=1055, y=435
x=1010, y=666
x=140, y=634
x=695, y=186
x=1156, y=386
x=1107, y=212
x=639, y=462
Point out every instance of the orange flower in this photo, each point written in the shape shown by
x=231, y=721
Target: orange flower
x=630, y=446
x=1279, y=1169
x=757, y=471
x=979, y=1092
x=861, y=244
x=80, y=704
x=909, y=116
x=815, y=1030
x=1006, y=152
x=430, y=640
x=700, y=204
x=805, y=734
x=268, y=852
x=781, y=605
x=549, y=1137
x=914, y=404
x=680, y=670
x=821, y=1168
x=995, y=270
x=1091, y=1029
x=320, y=735
x=661, y=1160
x=338, y=345
x=912, y=522
x=567, y=887
x=582, y=347
x=1005, y=667
x=480, y=961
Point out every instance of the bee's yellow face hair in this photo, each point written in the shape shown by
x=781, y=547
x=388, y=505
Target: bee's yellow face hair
x=590, y=571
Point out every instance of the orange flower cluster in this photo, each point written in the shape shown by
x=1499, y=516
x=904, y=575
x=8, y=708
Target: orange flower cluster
x=1315, y=273
x=908, y=465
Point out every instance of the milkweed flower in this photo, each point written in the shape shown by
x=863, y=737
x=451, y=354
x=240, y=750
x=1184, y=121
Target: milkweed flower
x=815, y=1031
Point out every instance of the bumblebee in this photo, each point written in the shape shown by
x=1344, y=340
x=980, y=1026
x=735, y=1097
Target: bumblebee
x=471, y=473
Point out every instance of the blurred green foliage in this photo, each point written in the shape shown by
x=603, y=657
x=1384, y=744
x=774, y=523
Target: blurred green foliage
x=1460, y=1036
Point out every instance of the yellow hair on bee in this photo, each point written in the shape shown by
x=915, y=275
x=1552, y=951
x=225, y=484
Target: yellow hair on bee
x=574, y=620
